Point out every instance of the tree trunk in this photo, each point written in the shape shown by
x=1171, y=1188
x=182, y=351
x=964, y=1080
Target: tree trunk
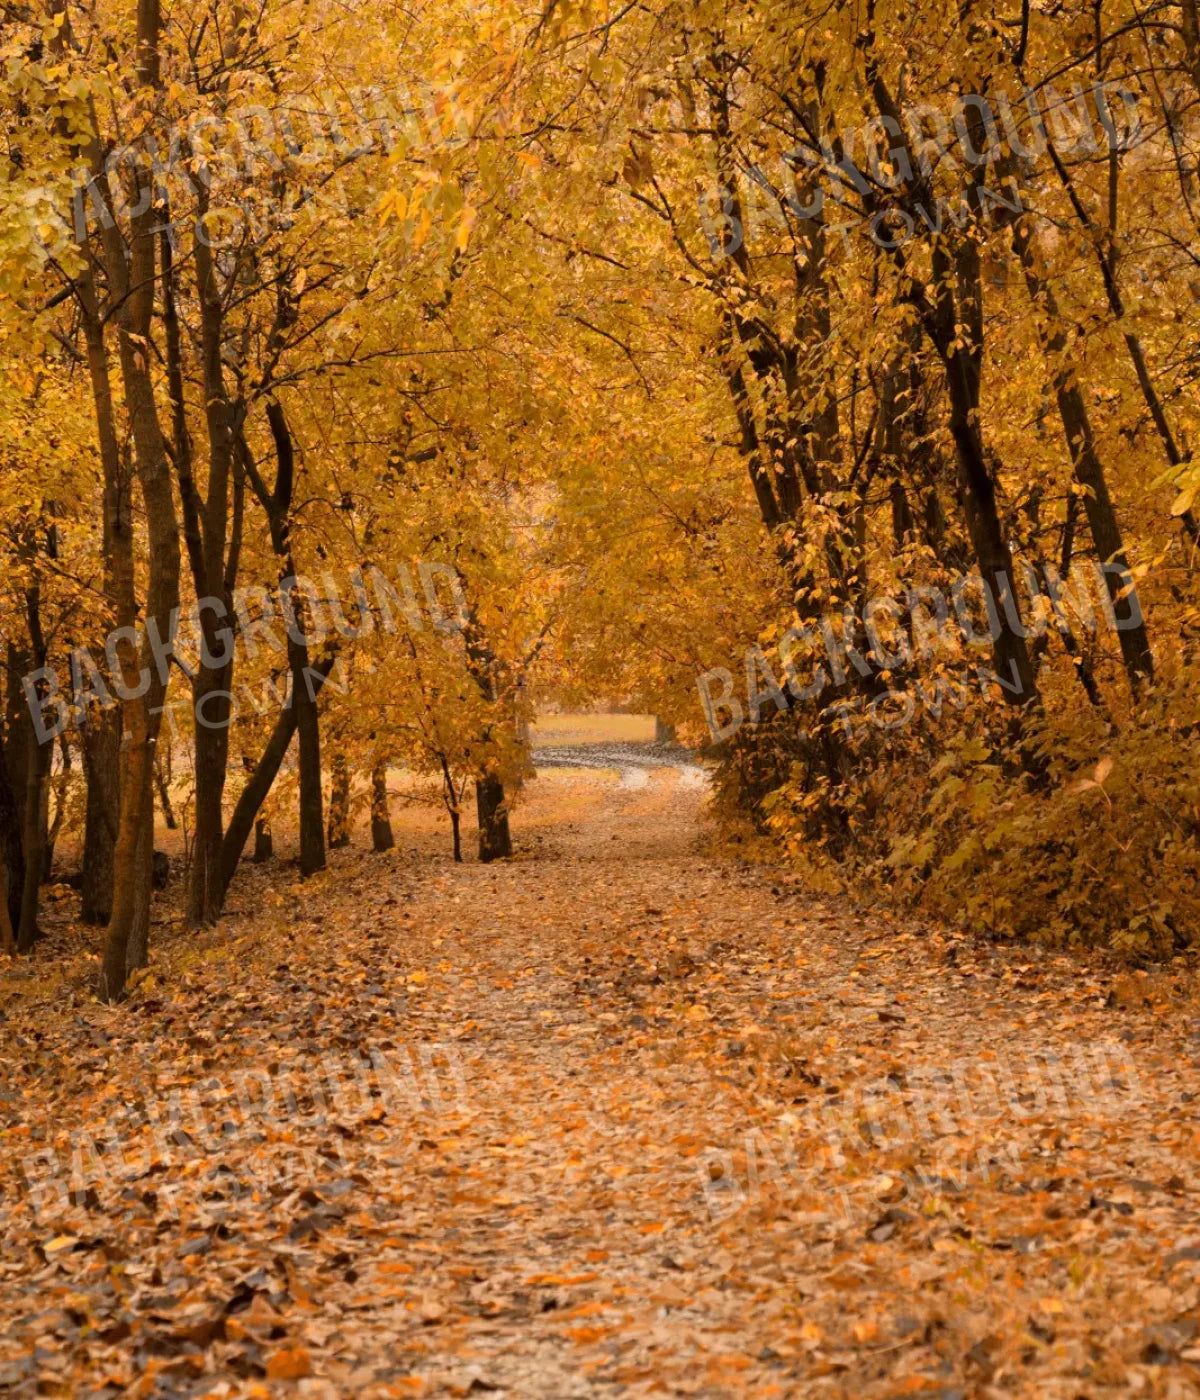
x=495, y=842
x=254, y=794
x=339, y=804
x=101, y=754
x=36, y=773
x=8, y=943
x=138, y=952
x=1089, y=470
x=954, y=325
x=164, y=795
x=381, y=824
x=308, y=727
x=212, y=708
x=663, y=733
x=12, y=848
x=264, y=844
x=54, y=828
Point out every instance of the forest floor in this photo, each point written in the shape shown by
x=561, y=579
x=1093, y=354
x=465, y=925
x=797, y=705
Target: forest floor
x=621, y=1117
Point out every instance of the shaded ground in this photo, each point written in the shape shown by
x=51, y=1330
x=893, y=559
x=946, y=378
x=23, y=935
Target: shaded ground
x=638, y=1121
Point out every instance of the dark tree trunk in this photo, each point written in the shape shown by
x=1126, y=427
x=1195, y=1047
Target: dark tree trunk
x=495, y=842
x=211, y=702
x=339, y=804
x=306, y=680
x=101, y=749
x=137, y=952
x=308, y=727
x=381, y=824
x=12, y=845
x=8, y=944
x=254, y=794
x=1089, y=470
x=264, y=844
x=164, y=796
x=36, y=773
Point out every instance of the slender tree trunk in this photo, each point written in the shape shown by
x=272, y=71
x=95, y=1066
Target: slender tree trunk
x=954, y=325
x=212, y=711
x=59, y=788
x=8, y=943
x=381, y=824
x=495, y=842
x=101, y=752
x=264, y=843
x=164, y=795
x=450, y=798
x=339, y=804
x=137, y=953
x=306, y=680
x=12, y=848
x=142, y=716
x=36, y=773
x=308, y=728
x=254, y=794
x=1089, y=470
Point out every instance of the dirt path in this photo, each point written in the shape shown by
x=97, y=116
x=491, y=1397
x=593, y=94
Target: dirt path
x=639, y=1122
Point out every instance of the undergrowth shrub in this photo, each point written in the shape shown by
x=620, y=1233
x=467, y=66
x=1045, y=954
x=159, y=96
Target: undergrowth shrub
x=1085, y=832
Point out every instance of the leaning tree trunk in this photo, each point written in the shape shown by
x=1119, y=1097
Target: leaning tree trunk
x=162, y=783
x=381, y=823
x=495, y=842
x=1089, y=470
x=254, y=794
x=955, y=326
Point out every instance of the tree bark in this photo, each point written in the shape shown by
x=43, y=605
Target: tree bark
x=12, y=848
x=264, y=844
x=381, y=824
x=255, y=792
x=308, y=728
x=8, y=943
x=1089, y=470
x=37, y=771
x=339, y=804
x=138, y=952
x=495, y=841
x=101, y=752
x=277, y=503
x=164, y=795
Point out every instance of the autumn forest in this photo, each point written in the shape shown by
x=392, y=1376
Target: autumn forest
x=600, y=623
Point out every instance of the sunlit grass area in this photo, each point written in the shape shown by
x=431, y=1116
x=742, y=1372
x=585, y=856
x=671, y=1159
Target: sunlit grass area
x=592, y=729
